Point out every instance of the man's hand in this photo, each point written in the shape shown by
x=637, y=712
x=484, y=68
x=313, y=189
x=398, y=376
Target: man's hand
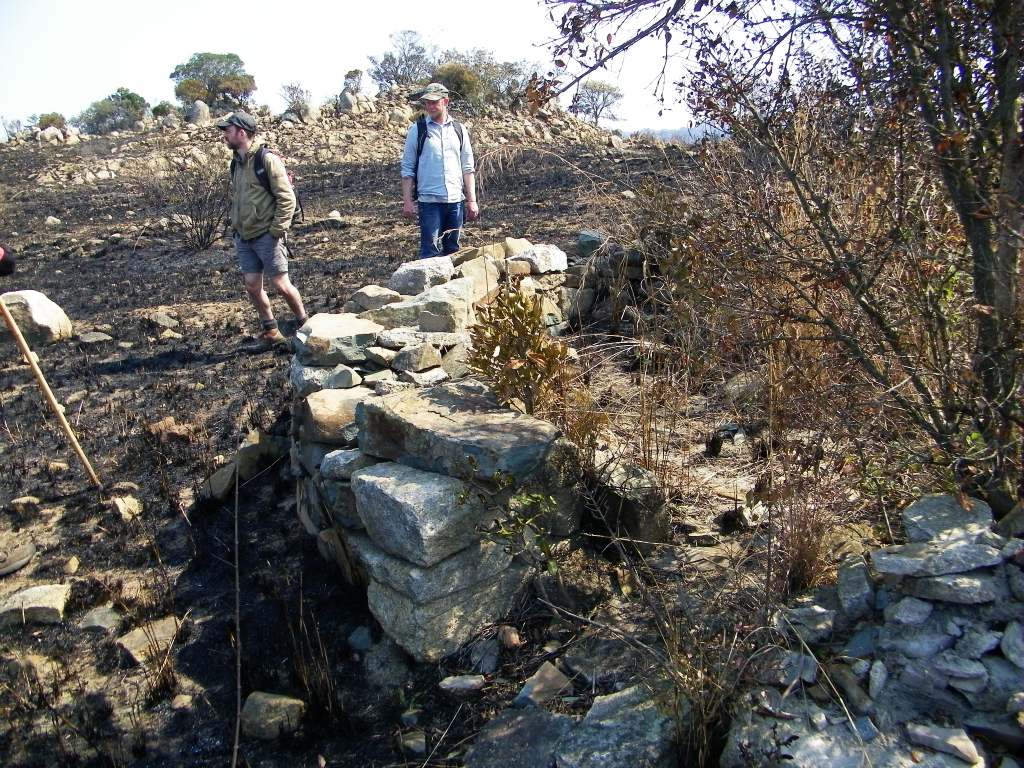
x=409, y=209
x=472, y=210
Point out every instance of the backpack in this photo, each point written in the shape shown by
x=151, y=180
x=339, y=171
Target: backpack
x=259, y=164
x=421, y=140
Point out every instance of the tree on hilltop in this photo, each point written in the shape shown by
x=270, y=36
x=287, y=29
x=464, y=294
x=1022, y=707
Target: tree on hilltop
x=406, y=63
x=120, y=110
x=219, y=79
x=596, y=99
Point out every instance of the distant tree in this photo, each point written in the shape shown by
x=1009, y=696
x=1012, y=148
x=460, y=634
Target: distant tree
x=296, y=98
x=353, y=81
x=55, y=119
x=120, y=110
x=596, y=99
x=219, y=79
x=408, y=62
x=499, y=82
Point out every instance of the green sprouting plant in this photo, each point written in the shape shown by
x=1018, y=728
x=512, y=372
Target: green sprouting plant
x=513, y=352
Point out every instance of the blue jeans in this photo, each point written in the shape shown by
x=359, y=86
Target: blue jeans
x=440, y=227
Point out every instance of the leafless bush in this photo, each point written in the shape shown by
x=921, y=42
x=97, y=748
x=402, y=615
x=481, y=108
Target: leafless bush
x=197, y=202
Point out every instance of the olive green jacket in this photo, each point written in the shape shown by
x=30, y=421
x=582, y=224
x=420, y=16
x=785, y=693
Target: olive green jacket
x=253, y=210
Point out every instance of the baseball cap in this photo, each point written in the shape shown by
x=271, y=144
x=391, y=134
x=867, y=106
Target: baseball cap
x=238, y=119
x=433, y=92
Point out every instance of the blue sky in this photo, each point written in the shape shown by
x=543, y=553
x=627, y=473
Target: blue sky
x=61, y=56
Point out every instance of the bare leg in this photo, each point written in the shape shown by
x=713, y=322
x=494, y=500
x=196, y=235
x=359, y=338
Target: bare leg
x=290, y=293
x=254, y=287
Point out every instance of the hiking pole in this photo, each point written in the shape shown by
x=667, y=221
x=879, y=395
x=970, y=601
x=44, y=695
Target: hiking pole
x=41, y=381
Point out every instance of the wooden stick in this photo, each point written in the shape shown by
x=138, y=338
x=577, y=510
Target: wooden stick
x=54, y=405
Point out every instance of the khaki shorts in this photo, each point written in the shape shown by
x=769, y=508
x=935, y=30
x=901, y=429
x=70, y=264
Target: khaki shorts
x=264, y=254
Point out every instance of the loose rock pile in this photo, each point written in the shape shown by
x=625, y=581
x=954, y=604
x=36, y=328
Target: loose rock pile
x=397, y=472
x=932, y=637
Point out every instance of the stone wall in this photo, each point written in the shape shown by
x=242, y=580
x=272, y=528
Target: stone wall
x=401, y=463
x=923, y=642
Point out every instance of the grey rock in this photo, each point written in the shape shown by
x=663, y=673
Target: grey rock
x=418, y=357
x=422, y=517
x=342, y=377
x=953, y=741
x=941, y=516
x=812, y=623
x=877, y=678
x=909, y=611
x=484, y=275
x=340, y=464
x=862, y=643
x=268, y=716
x=103, y=618
x=964, y=589
x=934, y=558
x=328, y=339
x=390, y=386
x=632, y=499
x=588, y=241
x=785, y=668
x=460, y=684
x=479, y=562
x=307, y=379
x=1015, y=581
x=380, y=355
x=42, y=604
x=329, y=416
x=371, y=379
x=430, y=631
x=856, y=595
x=1012, y=644
x=954, y=666
x=386, y=668
x=624, y=728
x=519, y=739
x=605, y=661
x=976, y=642
x=454, y=362
x=544, y=684
x=917, y=644
x=94, y=337
x=374, y=297
x=360, y=639
x=460, y=430
x=414, y=277
x=414, y=742
x=484, y=655
x=855, y=696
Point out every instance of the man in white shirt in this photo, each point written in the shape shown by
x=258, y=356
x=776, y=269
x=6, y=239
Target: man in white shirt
x=438, y=175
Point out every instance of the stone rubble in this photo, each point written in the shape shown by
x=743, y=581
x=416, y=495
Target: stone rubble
x=930, y=634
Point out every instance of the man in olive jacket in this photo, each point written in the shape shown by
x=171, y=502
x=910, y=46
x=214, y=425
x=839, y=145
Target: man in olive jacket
x=260, y=220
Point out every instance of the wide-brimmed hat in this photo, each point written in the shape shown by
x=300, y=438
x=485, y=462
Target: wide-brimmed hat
x=239, y=119
x=433, y=92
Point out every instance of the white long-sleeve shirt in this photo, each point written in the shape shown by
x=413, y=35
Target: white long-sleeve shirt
x=442, y=163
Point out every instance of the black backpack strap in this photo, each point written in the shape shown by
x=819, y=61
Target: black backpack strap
x=458, y=130
x=259, y=166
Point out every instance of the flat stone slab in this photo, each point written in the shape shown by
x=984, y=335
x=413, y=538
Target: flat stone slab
x=375, y=297
x=430, y=631
x=543, y=258
x=479, y=562
x=146, y=642
x=329, y=416
x=268, y=716
x=329, y=339
x=518, y=739
x=960, y=588
x=416, y=357
x=934, y=558
x=340, y=464
x=43, y=604
x=940, y=516
x=952, y=741
x=422, y=517
x=103, y=618
x=455, y=429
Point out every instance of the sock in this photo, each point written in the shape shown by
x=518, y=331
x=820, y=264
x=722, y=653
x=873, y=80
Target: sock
x=269, y=325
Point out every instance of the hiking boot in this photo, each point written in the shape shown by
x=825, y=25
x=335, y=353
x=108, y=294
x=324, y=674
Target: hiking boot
x=17, y=558
x=268, y=340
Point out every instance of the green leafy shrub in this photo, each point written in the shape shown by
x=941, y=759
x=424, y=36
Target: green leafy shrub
x=54, y=119
x=119, y=111
x=164, y=108
x=353, y=81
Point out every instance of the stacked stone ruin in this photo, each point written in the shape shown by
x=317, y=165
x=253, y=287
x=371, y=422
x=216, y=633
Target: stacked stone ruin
x=402, y=464
x=923, y=642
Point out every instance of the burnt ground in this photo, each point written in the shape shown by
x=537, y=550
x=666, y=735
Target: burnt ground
x=110, y=267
